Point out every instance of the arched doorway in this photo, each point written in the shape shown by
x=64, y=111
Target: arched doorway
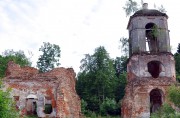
x=156, y=100
x=31, y=104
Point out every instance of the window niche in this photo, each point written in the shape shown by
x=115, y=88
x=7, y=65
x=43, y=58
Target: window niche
x=154, y=68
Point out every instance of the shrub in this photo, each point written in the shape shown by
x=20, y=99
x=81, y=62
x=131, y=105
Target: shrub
x=7, y=105
x=166, y=111
x=109, y=107
x=174, y=95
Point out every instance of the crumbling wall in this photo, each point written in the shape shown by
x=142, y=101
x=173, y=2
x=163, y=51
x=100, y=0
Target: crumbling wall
x=15, y=71
x=56, y=87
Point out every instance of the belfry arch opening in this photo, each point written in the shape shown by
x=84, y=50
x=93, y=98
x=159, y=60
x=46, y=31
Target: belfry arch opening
x=156, y=100
x=151, y=38
x=154, y=68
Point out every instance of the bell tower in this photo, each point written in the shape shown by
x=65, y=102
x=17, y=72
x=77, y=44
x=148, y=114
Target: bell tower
x=151, y=65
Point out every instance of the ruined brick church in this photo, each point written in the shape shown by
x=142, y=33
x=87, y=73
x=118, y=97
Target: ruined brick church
x=151, y=66
x=51, y=94
x=150, y=69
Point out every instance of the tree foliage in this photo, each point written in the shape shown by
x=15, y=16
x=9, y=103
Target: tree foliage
x=120, y=88
x=133, y=6
x=130, y=7
x=125, y=46
x=109, y=106
x=162, y=9
x=178, y=49
x=177, y=63
x=84, y=107
x=10, y=55
x=49, y=58
x=120, y=64
x=97, y=78
x=7, y=106
x=166, y=111
x=177, y=66
x=98, y=83
x=174, y=94
x=18, y=57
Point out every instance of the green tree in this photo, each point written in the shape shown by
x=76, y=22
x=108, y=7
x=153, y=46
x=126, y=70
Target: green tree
x=120, y=87
x=133, y=6
x=174, y=95
x=18, y=57
x=130, y=7
x=125, y=45
x=83, y=106
x=166, y=111
x=120, y=64
x=97, y=79
x=177, y=66
x=178, y=49
x=50, y=57
x=162, y=9
x=10, y=55
x=109, y=107
x=7, y=106
x=177, y=63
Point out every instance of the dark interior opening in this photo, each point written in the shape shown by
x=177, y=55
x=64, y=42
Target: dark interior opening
x=34, y=108
x=151, y=37
x=48, y=108
x=155, y=100
x=154, y=68
x=31, y=106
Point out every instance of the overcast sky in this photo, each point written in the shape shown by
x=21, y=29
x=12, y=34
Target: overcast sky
x=77, y=26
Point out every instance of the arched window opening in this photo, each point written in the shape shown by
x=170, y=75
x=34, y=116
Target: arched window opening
x=156, y=101
x=154, y=68
x=151, y=37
